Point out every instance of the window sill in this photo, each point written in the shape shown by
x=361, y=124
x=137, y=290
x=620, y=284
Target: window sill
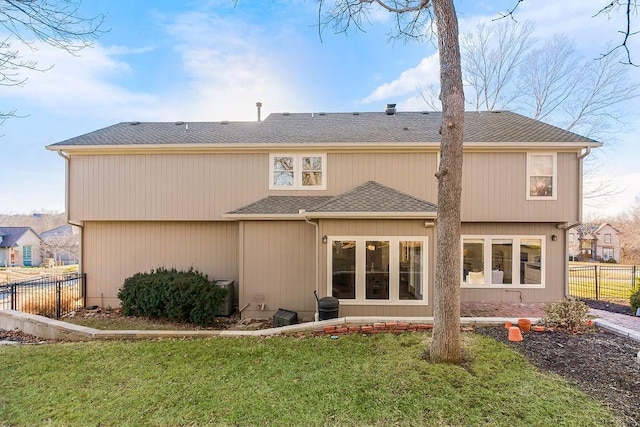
x=503, y=286
x=381, y=302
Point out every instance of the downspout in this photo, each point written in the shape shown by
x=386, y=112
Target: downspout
x=317, y=240
x=66, y=210
x=566, y=230
x=580, y=184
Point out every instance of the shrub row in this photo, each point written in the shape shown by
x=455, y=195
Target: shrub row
x=187, y=296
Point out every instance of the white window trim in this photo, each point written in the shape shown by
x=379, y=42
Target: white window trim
x=516, y=261
x=394, y=279
x=607, y=238
x=554, y=188
x=297, y=171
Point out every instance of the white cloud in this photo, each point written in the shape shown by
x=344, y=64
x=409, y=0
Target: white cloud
x=76, y=84
x=426, y=72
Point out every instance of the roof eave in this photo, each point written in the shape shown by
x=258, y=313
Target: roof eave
x=372, y=215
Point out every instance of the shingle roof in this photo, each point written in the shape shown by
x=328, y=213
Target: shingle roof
x=374, y=197
x=11, y=235
x=307, y=128
x=63, y=230
x=280, y=205
x=369, y=197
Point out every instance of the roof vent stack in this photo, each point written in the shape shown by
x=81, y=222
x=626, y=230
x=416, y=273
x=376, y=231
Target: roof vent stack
x=390, y=109
x=259, y=105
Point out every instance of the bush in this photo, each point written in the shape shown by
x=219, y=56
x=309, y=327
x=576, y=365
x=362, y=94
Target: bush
x=634, y=300
x=187, y=296
x=566, y=314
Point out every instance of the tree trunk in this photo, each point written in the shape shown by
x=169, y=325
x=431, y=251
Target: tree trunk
x=446, y=345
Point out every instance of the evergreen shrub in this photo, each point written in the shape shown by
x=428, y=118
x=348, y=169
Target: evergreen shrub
x=186, y=296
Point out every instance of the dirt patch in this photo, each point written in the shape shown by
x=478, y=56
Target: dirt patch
x=603, y=365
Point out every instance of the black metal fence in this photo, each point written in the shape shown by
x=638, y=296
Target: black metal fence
x=50, y=296
x=604, y=282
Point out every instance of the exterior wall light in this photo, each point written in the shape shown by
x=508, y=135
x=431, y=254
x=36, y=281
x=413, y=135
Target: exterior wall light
x=324, y=239
x=554, y=237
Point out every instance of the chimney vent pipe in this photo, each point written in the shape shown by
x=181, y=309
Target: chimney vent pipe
x=390, y=109
x=259, y=105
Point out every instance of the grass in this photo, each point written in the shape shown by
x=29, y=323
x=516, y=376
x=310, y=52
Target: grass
x=615, y=282
x=355, y=380
x=129, y=323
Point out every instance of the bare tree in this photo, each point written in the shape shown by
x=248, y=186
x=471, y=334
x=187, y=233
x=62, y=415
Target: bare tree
x=491, y=58
x=505, y=68
x=629, y=226
x=55, y=22
x=414, y=19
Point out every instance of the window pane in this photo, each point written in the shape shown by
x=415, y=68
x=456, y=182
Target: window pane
x=501, y=261
x=607, y=238
x=377, y=270
x=473, y=261
x=541, y=186
x=311, y=179
x=283, y=163
x=541, y=165
x=410, y=270
x=312, y=163
x=344, y=269
x=530, y=261
x=283, y=179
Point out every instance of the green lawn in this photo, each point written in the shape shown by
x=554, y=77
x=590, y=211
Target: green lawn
x=311, y=381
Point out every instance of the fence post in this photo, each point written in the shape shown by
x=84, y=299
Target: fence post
x=595, y=276
x=84, y=290
x=14, y=295
x=58, y=298
x=633, y=278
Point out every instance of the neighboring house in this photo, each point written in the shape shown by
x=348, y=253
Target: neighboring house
x=594, y=242
x=19, y=247
x=341, y=203
x=61, y=244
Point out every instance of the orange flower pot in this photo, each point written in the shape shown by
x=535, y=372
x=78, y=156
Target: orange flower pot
x=507, y=324
x=524, y=324
x=514, y=334
x=538, y=328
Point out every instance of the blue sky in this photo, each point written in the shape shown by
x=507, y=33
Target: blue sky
x=210, y=61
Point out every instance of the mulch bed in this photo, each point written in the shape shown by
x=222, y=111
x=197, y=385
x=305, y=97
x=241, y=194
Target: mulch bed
x=602, y=364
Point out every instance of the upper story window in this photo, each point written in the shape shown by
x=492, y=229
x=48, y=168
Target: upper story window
x=607, y=238
x=297, y=172
x=571, y=237
x=542, y=174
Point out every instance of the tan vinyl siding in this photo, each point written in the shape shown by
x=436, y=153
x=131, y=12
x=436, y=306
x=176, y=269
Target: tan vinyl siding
x=164, y=186
x=555, y=268
x=494, y=189
x=113, y=251
x=204, y=186
x=379, y=228
x=411, y=173
x=279, y=262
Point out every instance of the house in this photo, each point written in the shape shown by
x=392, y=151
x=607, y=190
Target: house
x=19, y=247
x=339, y=203
x=594, y=242
x=61, y=244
